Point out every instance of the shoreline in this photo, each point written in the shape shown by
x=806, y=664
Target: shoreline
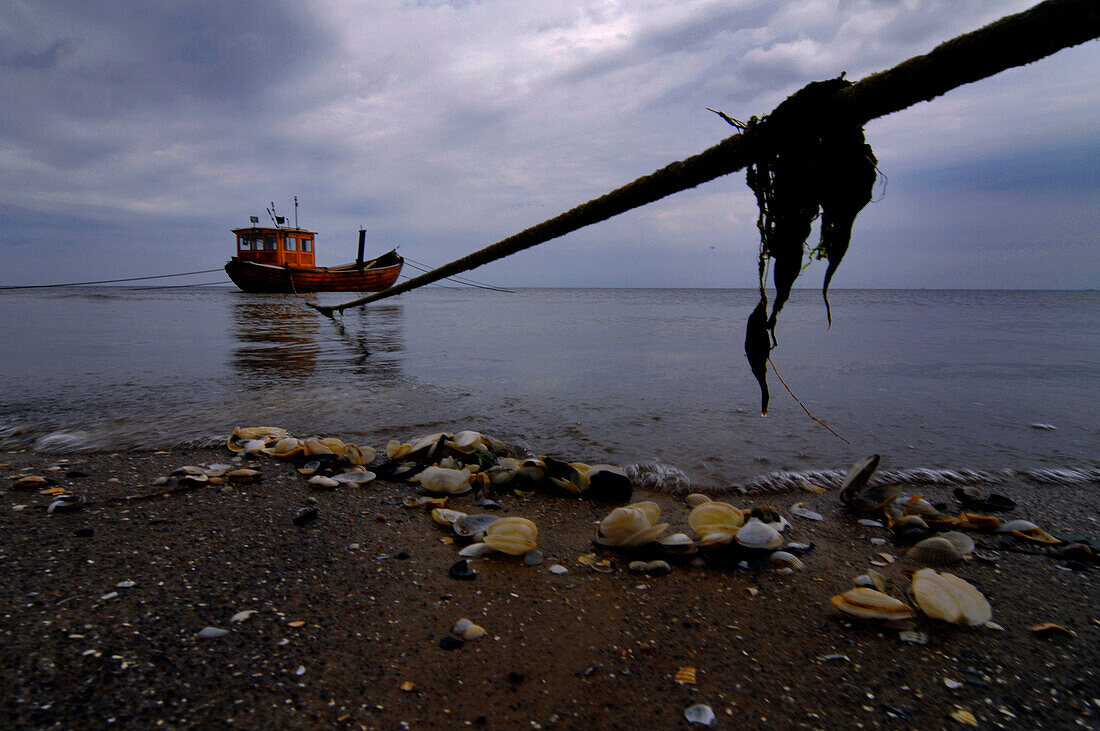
x=351, y=608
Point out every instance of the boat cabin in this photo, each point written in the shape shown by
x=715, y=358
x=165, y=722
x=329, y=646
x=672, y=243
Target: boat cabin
x=277, y=246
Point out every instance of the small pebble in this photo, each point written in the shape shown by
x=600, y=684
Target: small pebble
x=462, y=571
x=533, y=558
x=126, y=584
x=558, y=569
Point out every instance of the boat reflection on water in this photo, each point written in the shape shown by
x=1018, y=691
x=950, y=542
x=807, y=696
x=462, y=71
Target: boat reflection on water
x=281, y=342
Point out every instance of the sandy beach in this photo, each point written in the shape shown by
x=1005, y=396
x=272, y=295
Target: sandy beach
x=105, y=609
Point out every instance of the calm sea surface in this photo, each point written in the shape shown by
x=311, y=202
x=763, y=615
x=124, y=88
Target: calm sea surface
x=982, y=380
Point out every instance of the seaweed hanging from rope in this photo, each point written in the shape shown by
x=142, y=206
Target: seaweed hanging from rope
x=814, y=162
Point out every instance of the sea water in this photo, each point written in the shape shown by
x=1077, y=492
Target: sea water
x=944, y=381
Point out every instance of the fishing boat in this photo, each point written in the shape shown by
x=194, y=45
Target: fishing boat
x=280, y=258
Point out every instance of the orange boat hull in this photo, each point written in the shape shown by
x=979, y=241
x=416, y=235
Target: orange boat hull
x=253, y=277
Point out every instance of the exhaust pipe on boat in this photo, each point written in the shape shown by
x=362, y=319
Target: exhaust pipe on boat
x=362, y=241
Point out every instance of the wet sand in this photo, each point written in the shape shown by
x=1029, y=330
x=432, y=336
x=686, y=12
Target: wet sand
x=350, y=611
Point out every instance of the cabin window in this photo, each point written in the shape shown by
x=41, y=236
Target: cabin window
x=307, y=244
x=291, y=244
x=270, y=243
x=243, y=243
x=258, y=242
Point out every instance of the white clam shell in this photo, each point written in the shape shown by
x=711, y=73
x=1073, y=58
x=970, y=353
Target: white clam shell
x=947, y=597
x=631, y=526
x=759, y=535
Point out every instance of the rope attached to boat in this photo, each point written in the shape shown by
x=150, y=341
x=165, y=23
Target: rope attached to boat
x=1013, y=41
x=113, y=281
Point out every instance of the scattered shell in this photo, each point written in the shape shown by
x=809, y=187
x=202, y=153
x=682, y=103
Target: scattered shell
x=696, y=499
x=685, y=676
x=965, y=717
x=515, y=536
x=471, y=525
x=446, y=516
x=244, y=476
x=631, y=526
x=952, y=683
x=1048, y=629
x=715, y=522
x=29, y=482
x=126, y=584
x=637, y=566
x=786, y=560
x=800, y=510
x=962, y=542
x=868, y=523
x=558, y=569
x=864, y=603
x=700, y=714
x=936, y=551
x=357, y=455
x=355, y=478
x=476, y=549
x=320, y=482
x=758, y=535
x=1016, y=525
x=1036, y=534
x=913, y=637
x=242, y=616
x=467, y=630
x=947, y=597
x=211, y=633
x=443, y=480
x=309, y=468
x=286, y=448
x=658, y=568
x=66, y=504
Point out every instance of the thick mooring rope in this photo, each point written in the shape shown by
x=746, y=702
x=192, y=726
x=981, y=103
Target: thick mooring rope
x=1013, y=41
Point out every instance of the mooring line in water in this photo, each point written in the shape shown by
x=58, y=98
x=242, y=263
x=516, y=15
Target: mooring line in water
x=110, y=281
x=797, y=401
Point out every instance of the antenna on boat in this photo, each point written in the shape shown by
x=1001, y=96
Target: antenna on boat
x=279, y=220
x=271, y=214
x=295, y=212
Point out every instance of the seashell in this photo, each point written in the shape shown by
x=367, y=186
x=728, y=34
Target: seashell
x=685, y=676
x=244, y=476
x=563, y=475
x=309, y=468
x=864, y=603
x=786, y=560
x=1016, y=525
x=515, y=536
x=715, y=522
x=426, y=447
x=802, y=511
x=503, y=472
x=974, y=521
x=947, y=597
x=910, y=527
x=216, y=470
x=314, y=446
x=857, y=478
x=962, y=542
x=679, y=544
x=470, y=525
x=396, y=450
x=242, y=436
x=758, y=535
x=443, y=480
x=637, y=566
x=286, y=448
x=935, y=551
x=605, y=482
x=357, y=455
x=696, y=499
x=355, y=478
x=446, y=516
x=467, y=630
x=188, y=470
x=657, y=567
x=700, y=714
x=631, y=526
x=468, y=441
x=320, y=482
x=66, y=504
x=1036, y=534
x=1048, y=629
x=532, y=469
x=29, y=482
x=916, y=505
x=254, y=446
x=476, y=549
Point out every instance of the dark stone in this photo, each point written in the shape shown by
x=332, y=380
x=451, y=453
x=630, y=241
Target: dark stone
x=84, y=532
x=305, y=517
x=462, y=571
x=403, y=555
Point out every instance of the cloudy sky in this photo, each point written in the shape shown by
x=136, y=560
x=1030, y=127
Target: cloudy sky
x=134, y=136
